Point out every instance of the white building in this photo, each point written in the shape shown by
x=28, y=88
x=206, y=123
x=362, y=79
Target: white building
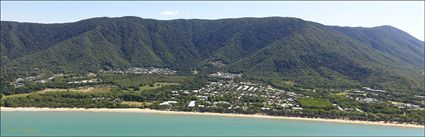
x=297, y=108
x=168, y=103
x=191, y=104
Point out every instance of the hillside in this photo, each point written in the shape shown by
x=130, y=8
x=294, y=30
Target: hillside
x=272, y=49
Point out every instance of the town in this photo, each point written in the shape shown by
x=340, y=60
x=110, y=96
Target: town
x=230, y=94
x=223, y=92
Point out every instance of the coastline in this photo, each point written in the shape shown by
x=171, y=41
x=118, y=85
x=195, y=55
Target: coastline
x=137, y=110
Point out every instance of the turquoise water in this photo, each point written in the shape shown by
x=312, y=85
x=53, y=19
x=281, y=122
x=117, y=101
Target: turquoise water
x=109, y=123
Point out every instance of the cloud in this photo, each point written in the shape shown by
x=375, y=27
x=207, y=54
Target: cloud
x=169, y=13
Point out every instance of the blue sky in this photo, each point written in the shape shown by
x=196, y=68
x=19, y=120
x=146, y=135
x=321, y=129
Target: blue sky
x=408, y=16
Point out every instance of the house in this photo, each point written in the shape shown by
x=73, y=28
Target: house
x=265, y=108
x=359, y=110
x=297, y=108
x=240, y=87
x=167, y=103
x=191, y=104
x=367, y=100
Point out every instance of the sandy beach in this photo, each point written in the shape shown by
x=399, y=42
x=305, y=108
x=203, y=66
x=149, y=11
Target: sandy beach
x=136, y=110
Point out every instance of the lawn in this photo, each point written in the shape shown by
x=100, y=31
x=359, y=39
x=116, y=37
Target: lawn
x=315, y=103
x=83, y=90
x=136, y=104
x=156, y=86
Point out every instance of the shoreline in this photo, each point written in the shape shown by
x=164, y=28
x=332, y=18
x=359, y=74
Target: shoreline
x=137, y=110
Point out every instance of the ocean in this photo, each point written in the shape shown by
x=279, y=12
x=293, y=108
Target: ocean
x=152, y=124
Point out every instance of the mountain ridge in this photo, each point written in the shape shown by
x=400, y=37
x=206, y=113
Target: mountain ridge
x=341, y=55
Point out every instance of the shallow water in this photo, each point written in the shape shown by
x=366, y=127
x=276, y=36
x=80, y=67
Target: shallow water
x=112, y=123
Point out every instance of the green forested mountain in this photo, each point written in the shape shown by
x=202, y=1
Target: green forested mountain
x=275, y=49
x=388, y=39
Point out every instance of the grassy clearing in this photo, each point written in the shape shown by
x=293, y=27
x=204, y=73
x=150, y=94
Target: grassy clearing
x=82, y=90
x=133, y=81
x=17, y=95
x=315, y=103
x=89, y=89
x=342, y=93
x=156, y=86
x=136, y=104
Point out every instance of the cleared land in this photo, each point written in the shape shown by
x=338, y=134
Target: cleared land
x=157, y=86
